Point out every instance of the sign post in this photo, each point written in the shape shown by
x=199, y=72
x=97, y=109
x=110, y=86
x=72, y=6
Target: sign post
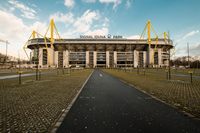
x=20, y=77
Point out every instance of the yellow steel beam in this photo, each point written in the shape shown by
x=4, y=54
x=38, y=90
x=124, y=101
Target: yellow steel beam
x=143, y=33
x=52, y=25
x=165, y=35
x=156, y=43
x=149, y=31
x=53, y=31
x=34, y=34
x=56, y=30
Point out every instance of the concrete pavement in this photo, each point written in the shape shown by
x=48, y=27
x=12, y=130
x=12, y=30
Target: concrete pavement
x=107, y=105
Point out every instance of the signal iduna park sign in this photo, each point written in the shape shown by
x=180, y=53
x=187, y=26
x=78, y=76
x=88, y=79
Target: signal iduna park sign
x=109, y=36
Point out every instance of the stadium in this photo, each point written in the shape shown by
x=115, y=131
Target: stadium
x=108, y=51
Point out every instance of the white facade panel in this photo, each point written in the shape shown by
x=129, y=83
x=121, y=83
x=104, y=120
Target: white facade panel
x=136, y=56
x=107, y=59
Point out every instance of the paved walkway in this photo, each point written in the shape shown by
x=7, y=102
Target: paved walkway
x=23, y=75
x=107, y=105
x=16, y=76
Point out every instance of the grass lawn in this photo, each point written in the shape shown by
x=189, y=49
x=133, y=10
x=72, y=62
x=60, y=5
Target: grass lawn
x=178, y=91
x=34, y=106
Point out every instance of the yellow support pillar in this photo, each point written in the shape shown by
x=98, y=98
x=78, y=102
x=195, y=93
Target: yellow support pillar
x=34, y=34
x=165, y=35
x=50, y=50
x=52, y=25
x=149, y=31
x=156, y=43
x=149, y=40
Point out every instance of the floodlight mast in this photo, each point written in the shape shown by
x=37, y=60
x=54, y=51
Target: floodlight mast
x=188, y=55
x=169, y=67
x=53, y=30
x=149, y=28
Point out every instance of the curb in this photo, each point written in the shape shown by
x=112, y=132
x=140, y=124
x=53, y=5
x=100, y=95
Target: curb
x=65, y=111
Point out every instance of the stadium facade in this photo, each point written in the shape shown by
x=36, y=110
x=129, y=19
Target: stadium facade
x=100, y=51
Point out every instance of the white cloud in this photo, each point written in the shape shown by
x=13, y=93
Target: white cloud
x=16, y=32
x=69, y=3
x=114, y=2
x=128, y=3
x=40, y=27
x=106, y=22
x=9, y=27
x=192, y=33
x=69, y=34
x=90, y=22
x=89, y=1
x=26, y=11
x=102, y=31
x=84, y=23
x=107, y=1
x=189, y=34
x=195, y=50
x=60, y=17
x=133, y=37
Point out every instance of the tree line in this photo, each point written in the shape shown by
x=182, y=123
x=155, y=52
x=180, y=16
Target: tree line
x=193, y=62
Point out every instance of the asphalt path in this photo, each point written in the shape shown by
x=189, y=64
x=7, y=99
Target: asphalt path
x=107, y=105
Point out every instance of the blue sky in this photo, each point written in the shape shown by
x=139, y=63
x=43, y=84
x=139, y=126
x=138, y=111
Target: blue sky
x=117, y=17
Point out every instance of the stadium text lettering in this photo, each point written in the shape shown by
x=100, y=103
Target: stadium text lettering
x=101, y=37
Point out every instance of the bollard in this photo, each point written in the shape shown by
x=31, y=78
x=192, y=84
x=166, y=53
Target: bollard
x=39, y=74
x=20, y=77
x=190, y=72
x=36, y=74
x=166, y=74
x=144, y=71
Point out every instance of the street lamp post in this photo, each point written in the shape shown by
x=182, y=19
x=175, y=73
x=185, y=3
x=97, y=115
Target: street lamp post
x=169, y=66
x=169, y=57
x=188, y=55
x=37, y=64
x=6, y=50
